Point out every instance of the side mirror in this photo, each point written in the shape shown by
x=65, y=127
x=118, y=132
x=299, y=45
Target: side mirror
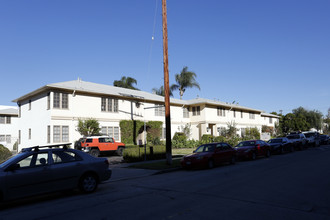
x=13, y=167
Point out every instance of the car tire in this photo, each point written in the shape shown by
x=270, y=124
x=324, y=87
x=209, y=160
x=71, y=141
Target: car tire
x=120, y=151
x=88, y=183
x=253, y=156
x=210, y=164
x=95, y=152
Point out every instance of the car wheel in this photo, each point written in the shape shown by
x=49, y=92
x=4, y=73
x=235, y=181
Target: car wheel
x=268, y=152
x=210, y=164
x=95, y=152
x=254, y=156
x=233, y=160
x=88, y=183
x=120, y=151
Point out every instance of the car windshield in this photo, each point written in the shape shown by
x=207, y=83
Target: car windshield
x=309, y=135
x=275, y=141
x=246, y=143
x=205, y=148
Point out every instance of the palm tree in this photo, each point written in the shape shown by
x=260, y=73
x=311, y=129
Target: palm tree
x=186, y=79
x=125, y=82
x=161, y=91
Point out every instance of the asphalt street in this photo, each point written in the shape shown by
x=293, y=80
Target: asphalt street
x=290, y=186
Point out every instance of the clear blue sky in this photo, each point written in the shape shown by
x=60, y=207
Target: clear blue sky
x=266, y=54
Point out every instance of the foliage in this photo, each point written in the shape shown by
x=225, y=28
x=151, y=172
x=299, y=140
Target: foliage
x=231, y=130
x=4, y=153
x=252, y=134
x=125, y=82
x=186, y=79
x=161, y=91
x=88, y=127
x=186, y=129
x=207, y=138
x=136, y=153
x=130, y=129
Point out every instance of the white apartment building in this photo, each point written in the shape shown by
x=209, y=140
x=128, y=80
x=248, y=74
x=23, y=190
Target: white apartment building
x=50, y=114
x=8, y=126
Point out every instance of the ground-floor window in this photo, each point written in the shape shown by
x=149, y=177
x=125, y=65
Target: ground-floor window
x=5, y=138
x=60, y=133
x=112, y=131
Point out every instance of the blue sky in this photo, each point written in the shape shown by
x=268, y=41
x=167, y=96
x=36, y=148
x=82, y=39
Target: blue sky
x=266, y=54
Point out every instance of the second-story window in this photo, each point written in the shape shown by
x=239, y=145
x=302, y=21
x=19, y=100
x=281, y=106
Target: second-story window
x=221, y=112
x=159, y=110
x=186, y=112
x=2, y=119
x=196, y=110
x=251, y=115
x=109, y=105
x=234, y=113
x=61, y=100
x=270, y=120
x=30, y=104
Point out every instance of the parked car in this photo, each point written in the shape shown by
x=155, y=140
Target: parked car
x=45, y=169
x=280, y=145
x=313, y=138
x=209, y=155
x=252, y=149
x=97, y=145
x=324, y=139
x=298, y=140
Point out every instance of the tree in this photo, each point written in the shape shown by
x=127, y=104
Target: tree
x=125, y=82
x=161, y=91
x=186, y=79
x=88, y=127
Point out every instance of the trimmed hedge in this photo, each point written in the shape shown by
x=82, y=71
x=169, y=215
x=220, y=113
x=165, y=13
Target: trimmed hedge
x=4, y=153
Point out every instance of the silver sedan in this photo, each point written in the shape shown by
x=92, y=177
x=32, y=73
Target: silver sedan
x=39, y=170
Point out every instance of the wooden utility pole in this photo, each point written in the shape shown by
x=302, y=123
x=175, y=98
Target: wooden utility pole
x=166, y=88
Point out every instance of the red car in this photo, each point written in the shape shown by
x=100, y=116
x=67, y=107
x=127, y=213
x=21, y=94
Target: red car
x=209, y=155
x=252, y=149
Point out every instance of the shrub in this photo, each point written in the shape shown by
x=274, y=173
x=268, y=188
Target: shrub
x=207, y=138
x=4, y=153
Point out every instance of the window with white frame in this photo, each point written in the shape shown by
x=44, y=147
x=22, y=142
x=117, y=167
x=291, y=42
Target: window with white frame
x=5, y=119
x=2, y=138
x=159, y=110
x=185, y=112
x=48, y=134
x=30, y=133
x=270, y=120
x=196, y=110
x=221, y=112
x=61, y=100
x=8, y=139
x=2, y=119
x=111, y=131
x=60, y=133
x=251, y=115
x=241, y=114
x=48, y=101
x=109, y=105
x=234, y=113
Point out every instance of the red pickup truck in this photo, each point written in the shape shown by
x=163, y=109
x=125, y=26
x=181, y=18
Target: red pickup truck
x=97, y=145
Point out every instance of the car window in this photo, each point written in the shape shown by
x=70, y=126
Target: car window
x=209, y=148
x=65, y=156
x=37, y=159
x=89, y=140
x=102, y=140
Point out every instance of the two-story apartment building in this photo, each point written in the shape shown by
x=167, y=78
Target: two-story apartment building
x=50, y=114
x=8, y=126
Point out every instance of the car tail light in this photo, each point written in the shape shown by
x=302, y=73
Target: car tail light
x=258, y=146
